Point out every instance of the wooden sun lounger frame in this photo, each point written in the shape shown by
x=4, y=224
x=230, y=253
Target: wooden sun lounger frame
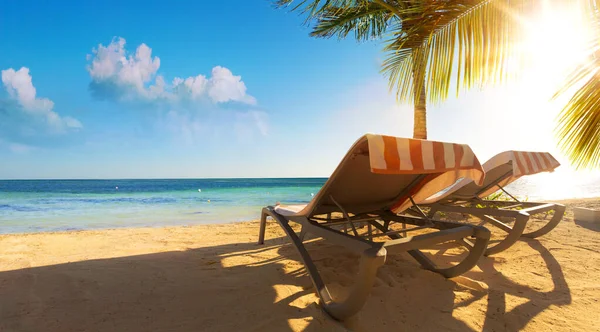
x=488, y=210
x=373, y=254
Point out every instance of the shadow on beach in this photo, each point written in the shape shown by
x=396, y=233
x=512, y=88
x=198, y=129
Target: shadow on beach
x=500, y=318
x=247, y=287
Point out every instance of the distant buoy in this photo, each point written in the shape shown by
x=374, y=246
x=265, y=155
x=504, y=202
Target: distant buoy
x=117, y=188
x=199, y=190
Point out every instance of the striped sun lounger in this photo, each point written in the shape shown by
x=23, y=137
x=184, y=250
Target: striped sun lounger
x=360, y=206
x=501, y=170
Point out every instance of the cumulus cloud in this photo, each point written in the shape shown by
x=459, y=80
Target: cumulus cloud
x=118, y=74
x=224, y=86
x=20, y=89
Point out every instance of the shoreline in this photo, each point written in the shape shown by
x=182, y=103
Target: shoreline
x=567, y=202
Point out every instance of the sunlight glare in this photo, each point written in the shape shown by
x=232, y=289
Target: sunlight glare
x=556, y=42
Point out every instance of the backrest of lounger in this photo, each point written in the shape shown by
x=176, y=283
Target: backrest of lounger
x=503, y=169
x=492, y=178
x=381, y=172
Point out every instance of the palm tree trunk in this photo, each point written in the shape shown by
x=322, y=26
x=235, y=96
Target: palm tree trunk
x=420, y=124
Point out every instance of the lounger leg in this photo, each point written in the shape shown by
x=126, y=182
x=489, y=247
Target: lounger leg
x=559, y=211
x=370, y=262
x=476, y=250
x=482, y=236
x=263, y=225
x=514, y=234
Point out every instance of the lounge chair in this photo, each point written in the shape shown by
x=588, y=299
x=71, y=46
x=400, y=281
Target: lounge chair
x=380, y=177
x=504, y=168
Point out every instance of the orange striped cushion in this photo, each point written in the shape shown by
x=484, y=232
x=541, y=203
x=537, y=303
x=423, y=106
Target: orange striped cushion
x=396, y=155
x=445, y=162
x=526, y=163
x=523, y=163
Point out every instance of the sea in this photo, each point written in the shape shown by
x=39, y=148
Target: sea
x=61, y=205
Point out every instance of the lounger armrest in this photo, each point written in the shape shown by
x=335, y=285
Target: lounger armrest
x=499, y=212
x=540, y=208
x=526, y=204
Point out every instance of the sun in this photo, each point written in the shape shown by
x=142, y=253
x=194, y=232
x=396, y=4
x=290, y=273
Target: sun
x=556, y=39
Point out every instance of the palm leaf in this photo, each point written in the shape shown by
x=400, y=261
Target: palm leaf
x=367, y=21
x=578, y=127
x=426, y=40
x=483, y=32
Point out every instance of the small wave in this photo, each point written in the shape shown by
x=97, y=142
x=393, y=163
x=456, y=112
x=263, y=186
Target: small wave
x=144, y=200
x=20, y=208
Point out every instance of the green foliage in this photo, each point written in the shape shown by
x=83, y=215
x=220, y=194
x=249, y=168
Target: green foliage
x=420, y=37
x=498, y=196
x=578, y=126
x=424, y=40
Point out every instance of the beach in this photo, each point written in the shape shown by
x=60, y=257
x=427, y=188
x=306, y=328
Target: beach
x=216, y=278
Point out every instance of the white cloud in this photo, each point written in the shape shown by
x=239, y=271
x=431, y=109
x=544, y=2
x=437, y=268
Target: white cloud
x=116, y=73
x=224, y=86
x=20, y=88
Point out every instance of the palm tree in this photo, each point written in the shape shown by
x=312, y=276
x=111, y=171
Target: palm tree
x=424, y=39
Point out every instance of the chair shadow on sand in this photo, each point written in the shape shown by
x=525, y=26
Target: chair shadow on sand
x=205, y=289
x=497, y=317
x=437, y=308
x=190, y=290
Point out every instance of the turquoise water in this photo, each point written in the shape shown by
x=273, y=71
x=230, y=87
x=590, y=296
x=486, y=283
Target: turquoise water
x=55, y=205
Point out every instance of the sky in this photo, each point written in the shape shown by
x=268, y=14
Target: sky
x=194, y=89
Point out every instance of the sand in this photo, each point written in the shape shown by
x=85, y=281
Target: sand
x=215, y=278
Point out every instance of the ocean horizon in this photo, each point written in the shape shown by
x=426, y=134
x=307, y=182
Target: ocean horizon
x=77, y=204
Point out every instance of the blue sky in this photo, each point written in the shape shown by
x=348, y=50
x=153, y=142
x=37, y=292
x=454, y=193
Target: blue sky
x=132, y=89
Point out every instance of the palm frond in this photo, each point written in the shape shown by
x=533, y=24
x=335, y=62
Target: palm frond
x=485, y=33
x=367, y=20
x=425, y=41
x=578, y=127
x=313, y=9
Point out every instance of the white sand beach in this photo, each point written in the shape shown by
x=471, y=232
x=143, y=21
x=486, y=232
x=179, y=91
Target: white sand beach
x=216, y=278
